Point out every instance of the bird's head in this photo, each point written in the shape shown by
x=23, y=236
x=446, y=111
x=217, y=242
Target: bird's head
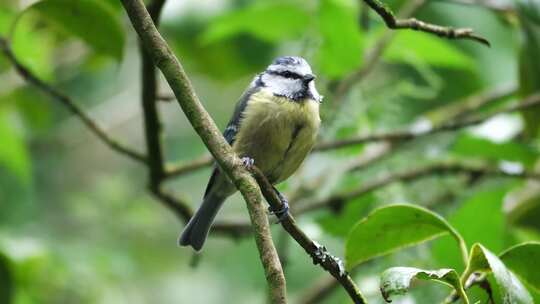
x=290, y=77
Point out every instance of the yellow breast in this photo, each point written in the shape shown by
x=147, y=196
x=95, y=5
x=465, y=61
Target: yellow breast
x=277, y=133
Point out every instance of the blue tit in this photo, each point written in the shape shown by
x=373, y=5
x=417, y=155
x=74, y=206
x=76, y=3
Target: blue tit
x=275, y=123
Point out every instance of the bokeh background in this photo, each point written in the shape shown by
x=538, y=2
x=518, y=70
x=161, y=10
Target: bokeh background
x=77, y=224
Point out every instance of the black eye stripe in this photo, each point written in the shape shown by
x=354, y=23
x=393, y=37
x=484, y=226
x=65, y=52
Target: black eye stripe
x=286, y=74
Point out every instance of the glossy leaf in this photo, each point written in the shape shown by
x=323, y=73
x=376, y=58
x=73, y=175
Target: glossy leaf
x=339, y=53
x=523, y=260
x=394, y=227
x=397, y=280
x=92, y=21
x=269, y=21
x=510, y=288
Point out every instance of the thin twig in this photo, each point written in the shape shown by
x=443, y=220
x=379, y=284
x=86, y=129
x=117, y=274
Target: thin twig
x=92, y=125
x=207, y=130
x=415, y=24
x=188, y=167
x=317, y=252
x=374, y=55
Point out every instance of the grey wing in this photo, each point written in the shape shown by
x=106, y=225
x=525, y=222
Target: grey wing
x=234, y=124
x=232, y=129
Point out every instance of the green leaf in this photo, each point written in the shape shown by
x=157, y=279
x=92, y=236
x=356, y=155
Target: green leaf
x=342, y=43
x=269, y=21
x=13, y=154
x=26, y=36
x=510, y=288
x=6, y=281
x=92, y=21
x=394, y=227
x=397, y=280
x=428, y=48
x=523, y=260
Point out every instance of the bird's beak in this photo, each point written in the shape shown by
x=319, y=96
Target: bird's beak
x=308, y=78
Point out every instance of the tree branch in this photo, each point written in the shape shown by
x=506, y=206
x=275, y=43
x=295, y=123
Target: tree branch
x=317, y=252
x=414, y=24
x=375, y=54
x=92, y=125
x=205, y=127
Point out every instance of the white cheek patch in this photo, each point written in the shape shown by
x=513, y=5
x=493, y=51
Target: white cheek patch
x=282, y=86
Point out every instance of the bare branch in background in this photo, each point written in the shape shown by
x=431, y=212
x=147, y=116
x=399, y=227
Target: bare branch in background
x=415, y=24
x=528, y=102
x=337, y=201
x=205, y=127
x=92, y=125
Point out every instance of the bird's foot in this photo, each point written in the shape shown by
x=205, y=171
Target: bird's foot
x=282, y=213
x=321, y=255
x=247, y=162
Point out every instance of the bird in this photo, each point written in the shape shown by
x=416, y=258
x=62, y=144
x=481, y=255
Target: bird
x=274, y=126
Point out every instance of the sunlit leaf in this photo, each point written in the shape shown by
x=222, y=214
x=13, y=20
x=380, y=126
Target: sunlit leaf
x=269, y=21
x=25, y=36
x=523, y=260
x=342, y=43
x=394, y=227
x=92, y=21
x=397, y=280
x=511, y=289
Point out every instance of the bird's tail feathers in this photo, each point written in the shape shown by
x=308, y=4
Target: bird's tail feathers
x=199, y=225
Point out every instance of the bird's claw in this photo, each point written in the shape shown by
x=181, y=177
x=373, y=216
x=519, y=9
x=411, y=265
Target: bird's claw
x=321, y=255
x=282, y=213
x=247, y=162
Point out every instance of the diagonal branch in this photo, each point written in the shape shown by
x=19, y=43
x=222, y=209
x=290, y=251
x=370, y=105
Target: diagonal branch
x=317, y=252
x=415, y=24
x=69, y=104
x=205, y=127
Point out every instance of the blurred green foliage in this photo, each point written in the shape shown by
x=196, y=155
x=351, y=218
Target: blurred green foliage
x=77, y=225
